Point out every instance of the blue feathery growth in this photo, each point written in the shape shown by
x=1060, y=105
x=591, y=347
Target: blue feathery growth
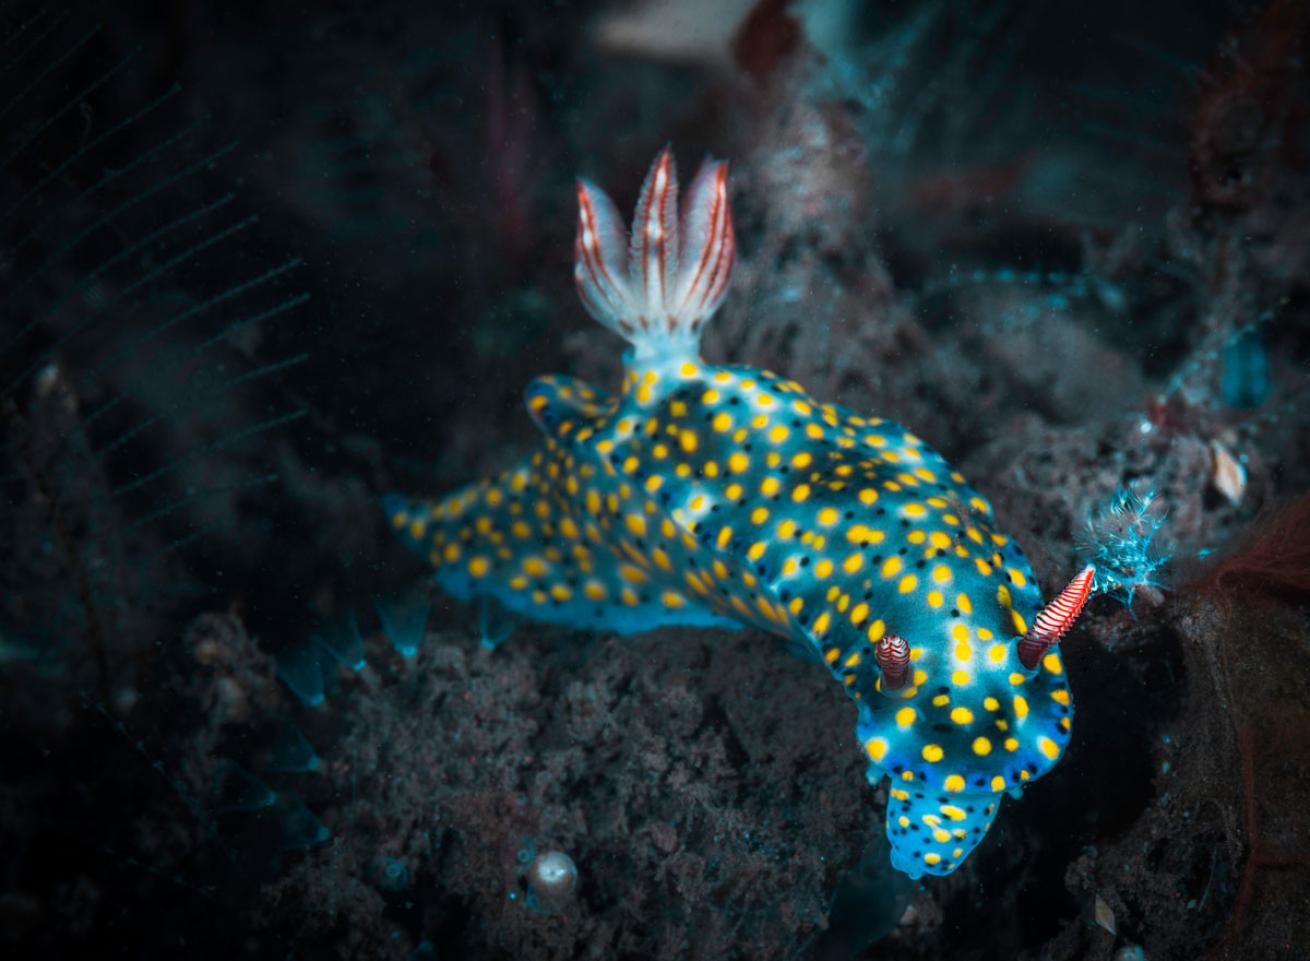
x=1119, y=541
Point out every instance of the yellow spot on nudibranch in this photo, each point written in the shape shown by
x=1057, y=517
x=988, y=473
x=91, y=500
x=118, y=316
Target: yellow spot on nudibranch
x=953, y=784
x=962, y=715
x=932, y=753
x=1020, y=706
x=876, y=748
x=861, y=534
x=981, y=746
x=905, y=716
x=479, y=566
x=1048, y=747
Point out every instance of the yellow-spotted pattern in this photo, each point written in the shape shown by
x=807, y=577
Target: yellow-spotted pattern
x=727, y=496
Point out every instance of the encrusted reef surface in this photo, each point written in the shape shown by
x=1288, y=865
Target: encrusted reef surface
x=267, y=265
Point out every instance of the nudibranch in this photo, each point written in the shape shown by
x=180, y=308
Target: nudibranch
x=725, y=496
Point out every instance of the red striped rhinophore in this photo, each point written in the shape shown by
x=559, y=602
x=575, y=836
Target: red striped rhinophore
x=893, y=657
x=1056, y=618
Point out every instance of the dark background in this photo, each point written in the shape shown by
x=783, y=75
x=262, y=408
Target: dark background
x=262, y=263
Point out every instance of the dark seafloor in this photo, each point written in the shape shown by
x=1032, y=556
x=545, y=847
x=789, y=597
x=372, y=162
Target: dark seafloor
x=261, y=263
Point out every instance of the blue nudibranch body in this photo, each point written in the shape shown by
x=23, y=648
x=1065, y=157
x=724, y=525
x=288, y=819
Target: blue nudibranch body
x=726, y=496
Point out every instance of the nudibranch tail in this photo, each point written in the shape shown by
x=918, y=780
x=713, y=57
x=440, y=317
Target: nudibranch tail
x=933, y=833
x=1055, y=619
x=538, y=538
x=506, y=539
x=674, y=273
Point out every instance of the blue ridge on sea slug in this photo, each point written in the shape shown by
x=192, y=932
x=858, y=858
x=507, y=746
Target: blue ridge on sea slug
x=726, y=496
